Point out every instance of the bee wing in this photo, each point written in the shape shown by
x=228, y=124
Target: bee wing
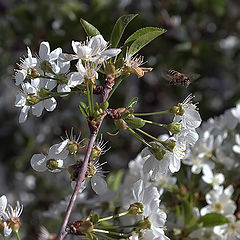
x=193, y=76
x=164, y=74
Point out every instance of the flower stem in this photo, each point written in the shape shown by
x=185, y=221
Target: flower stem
x=17, y=234
x=115, y=87
x=111, y=233
x=151, y=113
x=114, y=216
x=138, y=137
x=148, y=135
x=90, y=101
x=104, y=236
x=154, y=123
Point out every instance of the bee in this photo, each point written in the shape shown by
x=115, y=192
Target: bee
x=180, y=79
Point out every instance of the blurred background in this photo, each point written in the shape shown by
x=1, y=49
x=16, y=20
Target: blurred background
x=202, y=37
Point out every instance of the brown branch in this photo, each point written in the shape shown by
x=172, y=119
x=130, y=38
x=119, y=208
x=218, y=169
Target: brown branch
x=109, y=82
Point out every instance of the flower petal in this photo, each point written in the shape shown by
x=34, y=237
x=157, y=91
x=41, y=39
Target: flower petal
x=38, y=162
x=98, y=184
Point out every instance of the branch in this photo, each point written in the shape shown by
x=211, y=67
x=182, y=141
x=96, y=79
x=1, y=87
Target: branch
x=62, y=232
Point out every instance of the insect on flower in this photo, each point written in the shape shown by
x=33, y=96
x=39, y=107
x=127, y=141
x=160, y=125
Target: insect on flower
x=180, y=79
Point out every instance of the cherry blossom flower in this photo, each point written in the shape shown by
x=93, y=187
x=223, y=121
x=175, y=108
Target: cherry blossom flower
x=29, y=62
x=94, y=49
x=219, y=200
x=53, y=161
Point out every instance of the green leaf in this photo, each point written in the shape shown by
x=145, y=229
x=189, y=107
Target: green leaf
x=141, y=32
x=119, y=28
x=89, y=28
x=84, y=109
x=132, y=103
x=143, y=40
x=114, y=179
x=212, y=219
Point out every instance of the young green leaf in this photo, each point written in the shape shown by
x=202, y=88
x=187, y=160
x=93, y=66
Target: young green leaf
x=84, y=109
x=143, y=40
x=132, y=103
x=213, y=219
x=119, y=28
x=141, y=32
x=89, y=28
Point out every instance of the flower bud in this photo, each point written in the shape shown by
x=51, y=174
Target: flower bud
x=120, y=124
x=104, y=105
x=96, y=152
x=52, y=164
x=135, y=122
x=32, y=99
x=178, y=110
x=136, y=208
x=157, y=151
x=174, y=127
x=169, y=144
x=46, y=67
x=144, y=224
x=72, y=147
x=33, y=73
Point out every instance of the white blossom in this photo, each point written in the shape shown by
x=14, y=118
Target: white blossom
x=29, y=62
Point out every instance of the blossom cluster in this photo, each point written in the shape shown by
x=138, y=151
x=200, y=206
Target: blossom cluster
x=9, y=217
x=42, y=76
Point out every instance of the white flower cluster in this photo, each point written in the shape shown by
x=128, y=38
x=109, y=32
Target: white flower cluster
x=217, y=150
x=9, y=216
x=189, y=119
x=62, y=156
x=49, y=72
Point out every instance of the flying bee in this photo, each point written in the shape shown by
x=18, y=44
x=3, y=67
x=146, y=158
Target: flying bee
x=180, y=79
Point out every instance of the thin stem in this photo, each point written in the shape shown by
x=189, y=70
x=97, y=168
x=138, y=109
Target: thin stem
x=115, y=87
x=112, y=233
x=57, y=79
x=62, y=233
x=114, y=216
x=91, y=95
x=89, y=100
x=148, y=135
x=17, y=234
x=151, y=113
x=138, y=137
x=104, y=236
x=154, y=123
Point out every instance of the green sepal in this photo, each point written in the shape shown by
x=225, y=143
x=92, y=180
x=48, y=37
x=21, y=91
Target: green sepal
x=95, y=218
x=89, y=28
x=143, y=40
x=212, y=219
x=132, y=103
x=119, y=28
x=84, y=109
